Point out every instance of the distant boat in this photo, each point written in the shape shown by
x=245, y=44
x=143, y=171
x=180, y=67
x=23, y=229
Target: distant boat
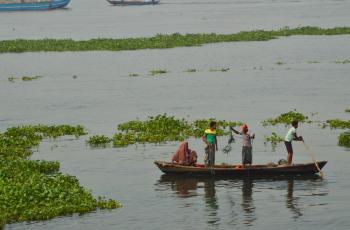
x=14, y=5
x=133, y=2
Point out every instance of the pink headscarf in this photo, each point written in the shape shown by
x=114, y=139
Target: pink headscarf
x=184, y=155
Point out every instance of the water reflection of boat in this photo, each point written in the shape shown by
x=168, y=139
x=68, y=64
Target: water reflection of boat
x=188, y=186
x=133, y=2
x=234, y=170
x=14, y=5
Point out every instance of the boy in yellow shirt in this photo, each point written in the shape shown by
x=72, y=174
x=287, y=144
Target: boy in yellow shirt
x=211, y=142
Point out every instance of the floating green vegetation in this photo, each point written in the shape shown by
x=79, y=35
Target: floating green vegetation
x=24, y=78
x=338, y=124
x=12, y=78
x=344, y=139
x=134, y=75
x=274, y=138
x=347, y=110
x=191, y=70
x=280, y=63
x=219, y=70
x=286, y=118
x=99, y=140
x=163, y=128
x=346, y=61
x=313, y=62
x=27, y=78
x=36, y=190
x=160, y=41
x=154, y=72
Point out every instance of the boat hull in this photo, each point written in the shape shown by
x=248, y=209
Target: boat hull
x=235, y=171
x=126, y=3
x=55, y=4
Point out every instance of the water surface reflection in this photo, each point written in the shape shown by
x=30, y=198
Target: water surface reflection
x=224, y=198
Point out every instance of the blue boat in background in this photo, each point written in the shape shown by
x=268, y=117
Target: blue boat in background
x=17, y=5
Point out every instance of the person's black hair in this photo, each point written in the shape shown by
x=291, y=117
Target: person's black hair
x=212, y=123
x=295, y=122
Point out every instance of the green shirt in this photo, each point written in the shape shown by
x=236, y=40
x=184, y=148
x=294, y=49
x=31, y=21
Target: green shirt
x=210, y=136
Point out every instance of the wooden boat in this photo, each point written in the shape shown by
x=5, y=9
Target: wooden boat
x=133, y=2
x=236, y=170
x=15, y=5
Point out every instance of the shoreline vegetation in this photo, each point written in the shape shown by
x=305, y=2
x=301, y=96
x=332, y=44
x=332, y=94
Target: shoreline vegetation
x=159, y=41
x=32, y=190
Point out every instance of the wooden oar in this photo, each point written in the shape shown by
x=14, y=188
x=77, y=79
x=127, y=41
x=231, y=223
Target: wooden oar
x=313, y=158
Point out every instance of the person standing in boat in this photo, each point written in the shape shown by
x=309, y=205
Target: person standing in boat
x=211, y=142
x=247, y=157
x=291, y=136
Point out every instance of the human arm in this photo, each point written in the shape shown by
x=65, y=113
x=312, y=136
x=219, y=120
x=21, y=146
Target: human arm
x=297, y=138
x=235, y=131
x=205, y=140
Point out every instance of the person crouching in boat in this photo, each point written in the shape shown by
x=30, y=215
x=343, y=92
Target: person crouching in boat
x=184, y=155
x=211, y=142
x=291, y=136
x=247, y=157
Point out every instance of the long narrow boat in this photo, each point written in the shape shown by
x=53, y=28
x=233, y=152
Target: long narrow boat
x=17, y=5
x=133, y=2
x=236, y=170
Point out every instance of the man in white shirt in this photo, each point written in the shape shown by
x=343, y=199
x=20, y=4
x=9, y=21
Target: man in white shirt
x=292, y=136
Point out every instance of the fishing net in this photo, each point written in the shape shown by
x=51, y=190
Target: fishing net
x=228, y=148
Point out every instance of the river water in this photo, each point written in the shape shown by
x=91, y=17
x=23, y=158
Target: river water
x=84, y=19
x=94, y=89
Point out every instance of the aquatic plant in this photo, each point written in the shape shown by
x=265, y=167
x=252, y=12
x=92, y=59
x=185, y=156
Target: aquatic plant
x=163, y=128
x=274, y=138
x=99, y=140
x=27, y=78
x=344, y=139
x=347, y=110
x=219, y=70
x=338, y=124
x=34, y=189
x=160, y=41
x=191, y=70
x=286, y=118
x=313, y=62
x=346, y=61
x=154, y=72
x=280, y=63
x=134, y=75
x=12, y=78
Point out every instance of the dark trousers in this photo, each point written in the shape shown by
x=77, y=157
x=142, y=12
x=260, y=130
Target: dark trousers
x=209, y=155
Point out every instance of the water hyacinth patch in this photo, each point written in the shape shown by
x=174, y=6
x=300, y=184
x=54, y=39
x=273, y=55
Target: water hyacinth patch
x=99, y=140
x=347, y=110
x=219, y=70
x=160, y=41
x=27, y=78
x=163, y=128
x=34, y=189
x=338, y=124
x=191, y=70
x=344, y=139
x=274, y=139
x=280, y=63
x=286, y=118
x=154, y=72
x=346, y=61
